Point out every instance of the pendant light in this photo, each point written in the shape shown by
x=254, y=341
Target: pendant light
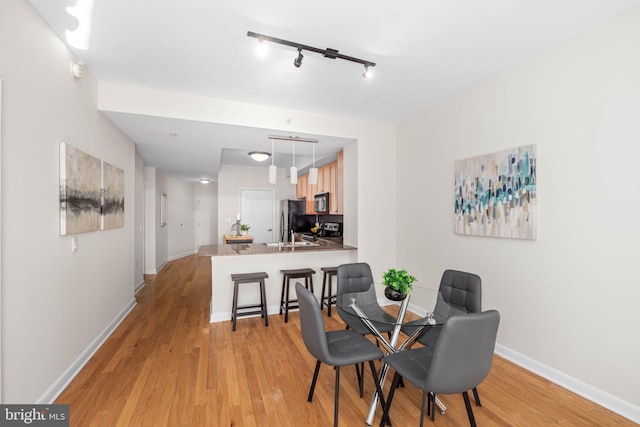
x=273, y=170
x=313, y=171
x=293, y=172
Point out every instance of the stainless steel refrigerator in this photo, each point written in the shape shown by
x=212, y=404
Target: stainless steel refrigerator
x=291, y=218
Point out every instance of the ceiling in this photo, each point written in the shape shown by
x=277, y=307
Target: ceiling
x=425, y=51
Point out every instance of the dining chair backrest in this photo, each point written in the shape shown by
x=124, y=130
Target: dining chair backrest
x=459, y=293
x=463, y=353
x=312, y=325
x=352, y=278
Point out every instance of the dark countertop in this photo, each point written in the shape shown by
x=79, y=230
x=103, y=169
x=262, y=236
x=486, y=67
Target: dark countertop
x=261, y=248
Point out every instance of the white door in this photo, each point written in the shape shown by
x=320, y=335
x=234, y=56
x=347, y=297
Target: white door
x=206, y=220
x=257, y=208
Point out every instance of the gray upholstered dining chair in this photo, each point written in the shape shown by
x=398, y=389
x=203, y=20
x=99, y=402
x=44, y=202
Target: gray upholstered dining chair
x=460, y=292
x=460, y=360
x=357, y=277
x=334, y=348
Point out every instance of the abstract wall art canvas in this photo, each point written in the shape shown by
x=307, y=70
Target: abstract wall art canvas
x=80, y=191
x=112, y=196
x=496, y=195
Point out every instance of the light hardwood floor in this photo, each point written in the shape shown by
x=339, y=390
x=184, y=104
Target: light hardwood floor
x=166, y=365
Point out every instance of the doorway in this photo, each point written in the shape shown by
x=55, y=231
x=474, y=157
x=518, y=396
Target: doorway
x=206, y=219
x=257, y=209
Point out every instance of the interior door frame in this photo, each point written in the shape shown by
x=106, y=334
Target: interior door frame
x=273, y=206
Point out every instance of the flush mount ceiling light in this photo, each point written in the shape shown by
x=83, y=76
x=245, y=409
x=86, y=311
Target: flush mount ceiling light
x=204, y=181
x=327, y=53
x=259, y=156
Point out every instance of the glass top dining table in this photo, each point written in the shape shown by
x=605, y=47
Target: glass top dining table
x=362, y=307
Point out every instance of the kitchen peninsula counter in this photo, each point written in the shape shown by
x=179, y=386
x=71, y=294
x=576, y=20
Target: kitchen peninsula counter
x=262, y=249
x=237, y=258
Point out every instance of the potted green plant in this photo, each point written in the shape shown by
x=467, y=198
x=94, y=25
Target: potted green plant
x=398, y=283
x=245, y=229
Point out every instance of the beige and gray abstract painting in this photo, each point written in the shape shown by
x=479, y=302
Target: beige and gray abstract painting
x=80, y=191
x=112, y=196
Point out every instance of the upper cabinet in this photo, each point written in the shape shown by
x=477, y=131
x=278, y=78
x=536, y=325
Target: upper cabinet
x=337, y=202
x=301, y=187
x=330, y=178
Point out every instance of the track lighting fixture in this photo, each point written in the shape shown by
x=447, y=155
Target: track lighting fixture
x=327, y=53
x=298, y=61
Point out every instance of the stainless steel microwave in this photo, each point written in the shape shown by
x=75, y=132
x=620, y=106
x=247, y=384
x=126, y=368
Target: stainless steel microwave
x=321, y=203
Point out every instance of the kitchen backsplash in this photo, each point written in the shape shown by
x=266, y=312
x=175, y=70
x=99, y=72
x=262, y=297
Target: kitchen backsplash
x=310, y=220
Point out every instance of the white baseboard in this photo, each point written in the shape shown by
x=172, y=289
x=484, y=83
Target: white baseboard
x=600, y=397
x=161, y=266
x=171, y=258
x=68, y=375
x=138, y=287
x=178, y=256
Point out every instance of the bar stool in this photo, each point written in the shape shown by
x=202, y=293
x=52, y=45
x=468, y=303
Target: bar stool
x=249, y=278
x=287, y=275
x=328, y=299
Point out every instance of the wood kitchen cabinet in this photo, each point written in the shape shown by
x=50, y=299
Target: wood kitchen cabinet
x=330, y=180
x=333, y=188
x=301, y=187
x=339, y=183
x=312, y=189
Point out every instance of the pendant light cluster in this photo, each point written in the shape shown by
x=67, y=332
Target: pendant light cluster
x=293, y=171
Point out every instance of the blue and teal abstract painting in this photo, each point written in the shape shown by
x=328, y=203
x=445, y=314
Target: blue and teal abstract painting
x=495, y=194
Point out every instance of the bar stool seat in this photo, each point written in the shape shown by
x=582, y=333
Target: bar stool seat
x=329, y=298
x=249, y=278
x=286, y=302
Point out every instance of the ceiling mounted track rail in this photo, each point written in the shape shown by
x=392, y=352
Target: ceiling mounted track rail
x=327, y=53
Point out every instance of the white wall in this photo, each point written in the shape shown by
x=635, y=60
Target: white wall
x=210, y=189
x=569, y=300
x=181, y=224
x=231, y=179
x=138, y=277
x=57, y=306
x=156, y=236
x=151, y=219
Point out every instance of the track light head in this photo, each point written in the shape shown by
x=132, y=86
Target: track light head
x=368, y=73
x=298, y=61
x=262, y=48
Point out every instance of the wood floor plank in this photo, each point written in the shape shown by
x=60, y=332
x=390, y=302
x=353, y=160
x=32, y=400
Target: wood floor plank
x=166, y=365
